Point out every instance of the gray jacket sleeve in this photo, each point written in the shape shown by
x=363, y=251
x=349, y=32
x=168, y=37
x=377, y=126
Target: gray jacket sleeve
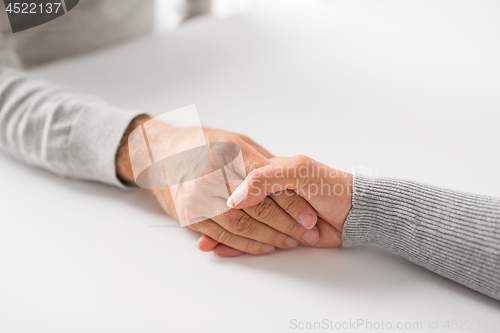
x=454, y=234
x=57, y=129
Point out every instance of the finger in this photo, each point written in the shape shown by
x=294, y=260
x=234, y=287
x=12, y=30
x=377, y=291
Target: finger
x=297, y=207
x=207, y=244
x=277, y=159
x=226, y=251
x=270, y=213
x=242, y=224
x=302, y=211
x=223, y=236
x=271, y=178
x=329, y=235
x=261, y=150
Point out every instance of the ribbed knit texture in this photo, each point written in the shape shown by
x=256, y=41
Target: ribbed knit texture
x=60, y=130
x=454, y=234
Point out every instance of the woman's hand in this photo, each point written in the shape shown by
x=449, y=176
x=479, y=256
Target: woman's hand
x=328, y=191
x=257, y=229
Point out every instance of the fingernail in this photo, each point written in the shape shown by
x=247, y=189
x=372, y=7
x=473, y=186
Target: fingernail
x=238, y=195
x=266, y=248
x=307, y=220
x=311, y=236
x=291, y=242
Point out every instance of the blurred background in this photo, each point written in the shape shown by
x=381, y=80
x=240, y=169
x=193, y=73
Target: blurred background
x=171, y=13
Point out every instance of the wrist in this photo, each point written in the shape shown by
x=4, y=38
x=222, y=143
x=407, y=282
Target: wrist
x=123, y=164
x=346, y=199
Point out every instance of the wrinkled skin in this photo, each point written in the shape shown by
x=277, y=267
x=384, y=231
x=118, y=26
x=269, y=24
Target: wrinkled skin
x=257, y=229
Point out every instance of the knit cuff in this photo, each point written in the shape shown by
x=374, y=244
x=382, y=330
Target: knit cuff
x=452, y=233
x=361, y=223
x=94, y=142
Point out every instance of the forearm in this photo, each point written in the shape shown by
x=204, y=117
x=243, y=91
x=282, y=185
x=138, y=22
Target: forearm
x=60, y=130
x=451, y=233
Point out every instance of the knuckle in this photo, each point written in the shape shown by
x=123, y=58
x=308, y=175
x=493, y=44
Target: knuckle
x=277, y=239
x=240, y=135
x=254, y=174
x=193, y=228
x=265, y=209
x=201, y=227
x=301, y=159
x=244, y=225
x=255, y=177
x=230, y=137
x=252, y=248
x=223, y=237
x=291, y=201
x=294, y=229
x=247, y=247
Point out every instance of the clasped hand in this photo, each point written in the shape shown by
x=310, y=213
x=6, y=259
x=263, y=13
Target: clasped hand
x=270, y=208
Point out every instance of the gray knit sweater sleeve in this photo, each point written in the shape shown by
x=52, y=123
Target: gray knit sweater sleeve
x=60, y=130
x=454, y=234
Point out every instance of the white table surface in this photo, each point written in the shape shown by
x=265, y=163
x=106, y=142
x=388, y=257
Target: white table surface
x=408, y=89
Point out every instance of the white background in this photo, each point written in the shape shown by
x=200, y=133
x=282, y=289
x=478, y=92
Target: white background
x=408, y=88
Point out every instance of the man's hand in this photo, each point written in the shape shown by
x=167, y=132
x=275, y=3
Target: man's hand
x=328, y=190
x=258, y=229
